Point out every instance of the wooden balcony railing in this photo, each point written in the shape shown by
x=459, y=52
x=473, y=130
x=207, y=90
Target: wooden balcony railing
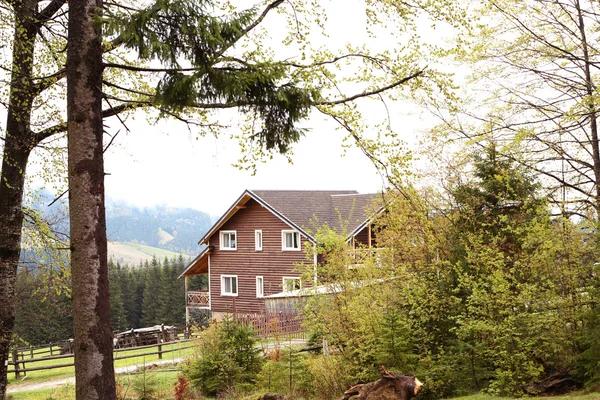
x=359, y=256
x=199, y=298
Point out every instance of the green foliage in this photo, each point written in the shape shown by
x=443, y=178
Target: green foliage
x=44, y=311
x=227, y=356
x=588, y=360
x=330, y=377
x=487, y=294
x=118, y=317
x=145, y=385
x=286, y=372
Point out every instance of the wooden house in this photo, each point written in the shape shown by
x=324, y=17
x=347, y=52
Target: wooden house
x=253, y=250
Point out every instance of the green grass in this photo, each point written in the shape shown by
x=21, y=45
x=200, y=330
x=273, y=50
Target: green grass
x=161, y=379
x=578, y=395
x=66, y=372
x=154, y=251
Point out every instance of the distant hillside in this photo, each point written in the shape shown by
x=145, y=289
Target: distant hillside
x=175, y=229
x=134, y=253
x=169, y=228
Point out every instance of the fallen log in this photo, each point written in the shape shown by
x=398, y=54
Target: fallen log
x=391, y=386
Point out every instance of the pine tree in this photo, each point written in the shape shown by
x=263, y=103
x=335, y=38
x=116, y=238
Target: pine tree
x=165, y=312
x=150, y=302
x=117, y=310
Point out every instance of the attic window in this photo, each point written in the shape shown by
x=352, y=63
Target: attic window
x=228, y=240
x=290, y=240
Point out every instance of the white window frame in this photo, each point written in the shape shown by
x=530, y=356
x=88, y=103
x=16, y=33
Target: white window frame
x=258, y=244
x=260, y=288
x=232, y=293
x=222, y=241
x=284, y=233
x=295, y=278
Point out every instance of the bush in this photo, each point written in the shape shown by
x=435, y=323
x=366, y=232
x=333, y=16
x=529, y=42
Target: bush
x=330, y=376
x=226, y=356
x=286, y=372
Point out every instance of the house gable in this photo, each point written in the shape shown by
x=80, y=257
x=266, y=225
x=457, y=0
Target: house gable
x=246, y=263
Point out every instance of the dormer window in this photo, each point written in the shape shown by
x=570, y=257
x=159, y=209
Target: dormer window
x=290, y=240
x=228, y=240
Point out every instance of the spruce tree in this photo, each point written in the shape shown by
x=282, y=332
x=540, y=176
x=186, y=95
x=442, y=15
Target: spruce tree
x=117, y=310
x=150, y=302
x=165, y=312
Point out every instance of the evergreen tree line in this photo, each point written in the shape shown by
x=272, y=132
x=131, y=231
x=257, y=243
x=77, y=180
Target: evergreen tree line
x=147, y=294
x=141, y=295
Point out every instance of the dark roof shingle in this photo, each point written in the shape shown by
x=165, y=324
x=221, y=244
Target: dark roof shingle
x=310, y=209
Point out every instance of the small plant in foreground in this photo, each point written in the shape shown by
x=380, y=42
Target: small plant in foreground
x=181, y=389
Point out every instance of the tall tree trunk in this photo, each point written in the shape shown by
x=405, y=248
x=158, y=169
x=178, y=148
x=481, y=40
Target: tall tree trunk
x=94, y=370
x=17, y=147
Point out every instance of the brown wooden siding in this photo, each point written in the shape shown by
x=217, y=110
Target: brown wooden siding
x=362, y=238
x=272, y=263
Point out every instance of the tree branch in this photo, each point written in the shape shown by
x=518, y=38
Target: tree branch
x=47, y=13
x=372, y=92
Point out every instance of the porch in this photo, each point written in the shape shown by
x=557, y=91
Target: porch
x=198, y=298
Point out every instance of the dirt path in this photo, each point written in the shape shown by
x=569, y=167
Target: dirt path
x=24, y=386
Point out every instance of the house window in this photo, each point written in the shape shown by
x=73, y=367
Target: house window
x=258, y=240
x=291, y=283
x=290, y=240
x=229, y=285
x=260, y=286
x=228, y=240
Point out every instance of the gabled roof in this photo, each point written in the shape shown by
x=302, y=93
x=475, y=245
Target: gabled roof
x=198, y=265
x=306, y=210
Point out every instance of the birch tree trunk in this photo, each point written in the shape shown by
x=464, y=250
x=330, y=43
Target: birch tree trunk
x=94, y=369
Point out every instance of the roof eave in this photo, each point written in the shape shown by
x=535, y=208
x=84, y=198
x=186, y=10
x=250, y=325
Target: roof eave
x=365, y=222
x=208, y=249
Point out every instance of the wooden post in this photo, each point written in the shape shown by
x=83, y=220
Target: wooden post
x=15, y=357
x=31, y=351
x=159, y=346
x=165, y=339
x=187, y=310
x=51, y=349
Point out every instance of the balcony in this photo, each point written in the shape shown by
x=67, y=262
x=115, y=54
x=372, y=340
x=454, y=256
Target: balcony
x=360, y=256
x=198, y=299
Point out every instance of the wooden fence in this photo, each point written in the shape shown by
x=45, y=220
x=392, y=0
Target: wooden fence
x=276, y=323
x=19, y=362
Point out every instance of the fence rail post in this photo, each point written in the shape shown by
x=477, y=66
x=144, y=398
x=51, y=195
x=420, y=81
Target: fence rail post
x=15, y=357
x=158, y=335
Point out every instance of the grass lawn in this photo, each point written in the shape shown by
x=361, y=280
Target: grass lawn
x=579, y=395
x=160, y=382
x=66, y=372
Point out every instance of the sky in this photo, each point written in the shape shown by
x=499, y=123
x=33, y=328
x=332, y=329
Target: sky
x=168, y=165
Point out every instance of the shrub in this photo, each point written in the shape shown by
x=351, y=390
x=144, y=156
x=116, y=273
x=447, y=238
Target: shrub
x=286, y=373
x=330, y=376
x=180, y=389
x=226, y=356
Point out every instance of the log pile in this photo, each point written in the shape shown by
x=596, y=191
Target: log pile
x=145, y=336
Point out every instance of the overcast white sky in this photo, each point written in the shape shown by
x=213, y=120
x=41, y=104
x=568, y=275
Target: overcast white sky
x=170, y=166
